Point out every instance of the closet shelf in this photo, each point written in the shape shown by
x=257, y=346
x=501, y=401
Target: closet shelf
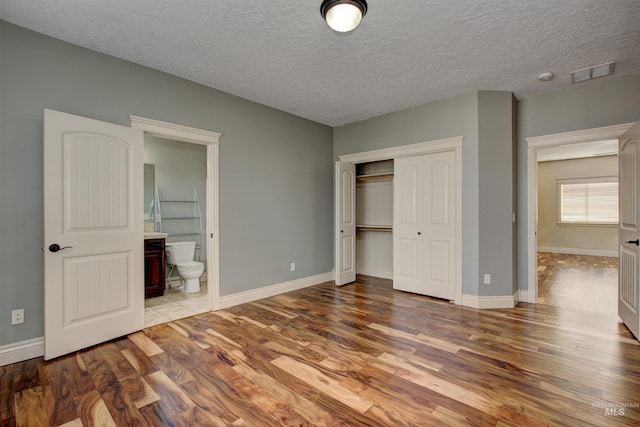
x=374, y=176
x=384, y=228
x=181, y=217
x=179, y=201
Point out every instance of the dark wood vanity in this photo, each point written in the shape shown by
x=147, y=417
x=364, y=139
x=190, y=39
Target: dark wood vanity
x=154, y=268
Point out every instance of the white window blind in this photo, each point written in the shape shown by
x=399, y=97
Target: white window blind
x=588, y=201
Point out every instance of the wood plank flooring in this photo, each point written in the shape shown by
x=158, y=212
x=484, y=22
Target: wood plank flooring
x=359, y=355
x=580, y=282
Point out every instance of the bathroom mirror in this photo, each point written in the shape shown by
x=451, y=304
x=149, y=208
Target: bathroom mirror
x=149, y=185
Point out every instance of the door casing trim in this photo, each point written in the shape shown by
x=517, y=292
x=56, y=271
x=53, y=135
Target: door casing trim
x=533, y=143
x=212, y=141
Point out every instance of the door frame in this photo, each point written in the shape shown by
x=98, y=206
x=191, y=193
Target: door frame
x=533, y=143
x=429, y=147
x=211, y=139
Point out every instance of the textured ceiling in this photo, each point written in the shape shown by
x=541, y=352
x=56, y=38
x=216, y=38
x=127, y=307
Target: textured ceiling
x=406, y=52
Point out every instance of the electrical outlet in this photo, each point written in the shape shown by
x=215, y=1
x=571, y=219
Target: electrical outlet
x=293, y=266
x=17, y=316
x=487, y=279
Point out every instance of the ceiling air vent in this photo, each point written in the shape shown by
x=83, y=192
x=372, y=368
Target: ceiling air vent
x=593, y=72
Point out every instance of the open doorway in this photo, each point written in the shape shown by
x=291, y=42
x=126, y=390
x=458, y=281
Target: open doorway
x=560, y=250
x=176, y=175
x=578, y=226
x=169, y=133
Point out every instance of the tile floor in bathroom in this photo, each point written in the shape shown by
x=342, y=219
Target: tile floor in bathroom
x=175, y=304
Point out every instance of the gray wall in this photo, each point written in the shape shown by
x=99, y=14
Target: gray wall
x=179, y=168
x=486, y=121
x=495, y=160
x=550, y=233
x=457, y=116
x=584, y=106
x=276, y=192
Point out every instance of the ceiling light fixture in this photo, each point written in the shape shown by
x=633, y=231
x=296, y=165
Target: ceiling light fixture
x=343, y=16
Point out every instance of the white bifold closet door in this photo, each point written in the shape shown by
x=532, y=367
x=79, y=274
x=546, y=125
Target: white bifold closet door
x=345, y=225
x=424, y=224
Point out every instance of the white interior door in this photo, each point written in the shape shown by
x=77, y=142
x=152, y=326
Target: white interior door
x=93, y=232
x=345, y=233
x=424, y=224
x=439, y=229
x=407, y=209
x=629, y=233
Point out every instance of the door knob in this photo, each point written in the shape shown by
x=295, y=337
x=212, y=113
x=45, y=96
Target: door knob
x=56, y=247
x=634, y=242
x=419, y=233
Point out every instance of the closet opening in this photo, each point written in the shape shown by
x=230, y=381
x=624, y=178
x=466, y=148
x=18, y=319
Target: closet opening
x=374, y=219
x=371, y=218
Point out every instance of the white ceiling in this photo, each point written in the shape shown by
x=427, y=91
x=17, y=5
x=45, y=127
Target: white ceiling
x=406, y=52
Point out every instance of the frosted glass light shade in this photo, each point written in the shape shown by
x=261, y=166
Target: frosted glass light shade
x=343, y=16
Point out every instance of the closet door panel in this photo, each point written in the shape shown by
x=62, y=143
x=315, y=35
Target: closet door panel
x=345, y=233
x=438, y=236
x=408, y=201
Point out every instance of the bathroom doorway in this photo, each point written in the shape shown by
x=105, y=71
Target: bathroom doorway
x=179, y=304
x=176, y=176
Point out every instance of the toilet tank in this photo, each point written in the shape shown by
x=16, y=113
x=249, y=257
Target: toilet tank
x=180, y=252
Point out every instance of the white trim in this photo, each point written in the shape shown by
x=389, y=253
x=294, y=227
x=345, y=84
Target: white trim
x=174, y=131
x=269, y=291
x=375, y=273
x=584, y=135
x=212, y=141
x=578, y=251
x=440, y=145
x=447, y=144
x=482, y=302
x=21, y=351
x=533, y=143
x=523, y=295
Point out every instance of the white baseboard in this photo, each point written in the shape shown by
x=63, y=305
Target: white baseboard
x=20, y=351
x=523, y=295
x=269, y=291
x=375, y=273
x=28, y=349
x=474, y=301
x=578, y=251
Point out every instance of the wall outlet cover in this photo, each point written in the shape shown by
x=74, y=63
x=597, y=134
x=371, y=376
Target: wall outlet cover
x=17, y=316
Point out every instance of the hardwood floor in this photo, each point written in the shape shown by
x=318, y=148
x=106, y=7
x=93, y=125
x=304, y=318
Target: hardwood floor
x=359, y=355
x=580, y=282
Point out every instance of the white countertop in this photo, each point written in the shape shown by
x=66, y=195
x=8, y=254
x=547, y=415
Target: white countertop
x=155, y=235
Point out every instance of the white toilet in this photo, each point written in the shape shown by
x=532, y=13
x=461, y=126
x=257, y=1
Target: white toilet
x=180, y=254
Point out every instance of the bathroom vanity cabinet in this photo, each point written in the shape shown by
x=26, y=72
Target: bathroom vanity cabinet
x=154, y=268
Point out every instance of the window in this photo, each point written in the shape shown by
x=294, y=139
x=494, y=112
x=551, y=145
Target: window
x=588, y=200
